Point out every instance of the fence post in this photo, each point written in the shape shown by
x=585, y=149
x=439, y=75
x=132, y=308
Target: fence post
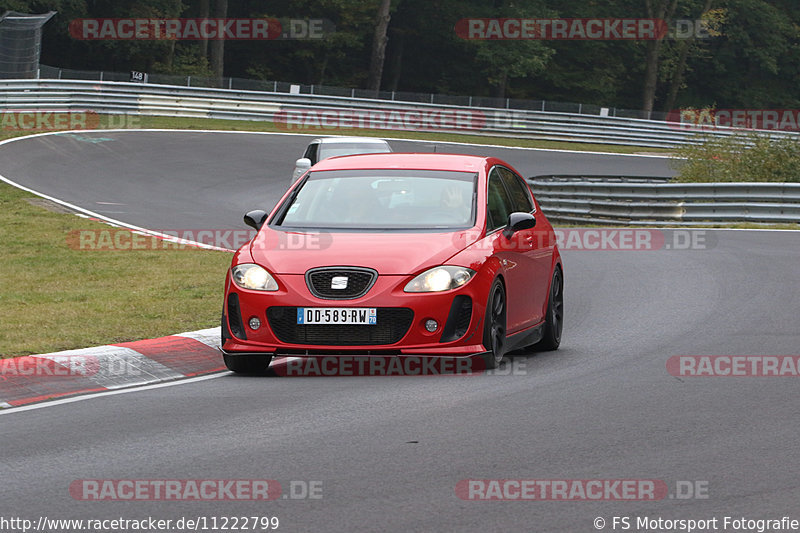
x=188, y=81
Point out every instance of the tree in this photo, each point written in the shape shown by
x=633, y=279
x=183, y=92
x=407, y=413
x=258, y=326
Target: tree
x=684, y=48
x=218, y=45
x=379, y=46
x=205, y=10
x=663, y=10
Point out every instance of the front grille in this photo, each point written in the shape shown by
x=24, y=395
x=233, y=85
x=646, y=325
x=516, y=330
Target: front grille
x=320, y=282
x=392, y=324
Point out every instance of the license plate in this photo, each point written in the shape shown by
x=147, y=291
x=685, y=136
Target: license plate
x=366, y=316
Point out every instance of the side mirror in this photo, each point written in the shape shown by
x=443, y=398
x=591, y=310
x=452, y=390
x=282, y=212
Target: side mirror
x=517, y=222
x=256, y=218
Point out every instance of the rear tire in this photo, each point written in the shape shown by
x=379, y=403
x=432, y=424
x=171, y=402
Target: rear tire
x=247, y=364
x=494, y=329
x=554, y=322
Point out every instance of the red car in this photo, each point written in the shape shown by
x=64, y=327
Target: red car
x=396, y=254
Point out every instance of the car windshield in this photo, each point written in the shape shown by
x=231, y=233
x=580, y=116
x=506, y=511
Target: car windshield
x=382, y=199
x=333, y=149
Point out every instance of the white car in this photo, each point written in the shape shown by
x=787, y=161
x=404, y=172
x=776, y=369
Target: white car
x=326, y=147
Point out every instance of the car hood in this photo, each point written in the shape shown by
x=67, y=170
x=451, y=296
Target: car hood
x=293, y=252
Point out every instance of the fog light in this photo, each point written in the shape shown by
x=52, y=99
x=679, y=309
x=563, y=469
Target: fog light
x=431, y=325
x=255, y=323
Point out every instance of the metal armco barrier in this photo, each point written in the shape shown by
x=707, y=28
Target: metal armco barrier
x=328, y=114
x=639, y=202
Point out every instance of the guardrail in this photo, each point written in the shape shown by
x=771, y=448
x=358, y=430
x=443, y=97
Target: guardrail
x=331, y=113
x=625, y=202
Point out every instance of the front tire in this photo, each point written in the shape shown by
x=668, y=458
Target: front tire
x=554, y=323
x=494, y=329
x=242, y=364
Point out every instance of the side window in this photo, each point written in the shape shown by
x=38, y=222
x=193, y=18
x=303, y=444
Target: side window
x=311, y=153
x=499, y=203
x=520, y=195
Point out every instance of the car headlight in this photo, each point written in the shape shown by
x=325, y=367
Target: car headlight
x=441, y=278
x=254, y=277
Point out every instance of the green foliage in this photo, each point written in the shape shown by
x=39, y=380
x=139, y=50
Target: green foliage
x=750, y=60
x=186, y=61
x=742, y=157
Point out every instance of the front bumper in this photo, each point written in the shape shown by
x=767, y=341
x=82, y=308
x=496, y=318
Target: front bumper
x=400, y=329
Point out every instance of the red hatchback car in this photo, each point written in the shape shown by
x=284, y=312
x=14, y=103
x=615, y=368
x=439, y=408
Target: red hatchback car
x=396, y=254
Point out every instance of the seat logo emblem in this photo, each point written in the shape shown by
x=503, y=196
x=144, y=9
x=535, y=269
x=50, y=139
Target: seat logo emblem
x=339, y=282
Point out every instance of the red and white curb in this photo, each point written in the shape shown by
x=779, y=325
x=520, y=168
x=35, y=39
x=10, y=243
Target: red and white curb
x=36, y=378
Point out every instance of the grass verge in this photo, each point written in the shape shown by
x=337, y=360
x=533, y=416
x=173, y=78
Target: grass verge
x=56, y=297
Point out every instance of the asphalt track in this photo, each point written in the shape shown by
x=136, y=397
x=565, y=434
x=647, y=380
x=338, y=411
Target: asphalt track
x=391, y=450
x=198, y=180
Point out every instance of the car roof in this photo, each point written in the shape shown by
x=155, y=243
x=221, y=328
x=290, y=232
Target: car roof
x=417, y=161
x=334, y=140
